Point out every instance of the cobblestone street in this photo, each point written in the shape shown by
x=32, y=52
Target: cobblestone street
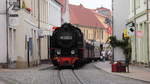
x=40, y=38
x=89, y=74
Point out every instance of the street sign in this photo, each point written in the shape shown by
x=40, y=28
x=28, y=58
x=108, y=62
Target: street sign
x=139, y=34
x=125, y=34
x=13, y=21
x=13, y=15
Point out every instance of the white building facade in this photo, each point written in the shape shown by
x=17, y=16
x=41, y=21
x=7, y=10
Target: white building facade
x=3, y=32
x=65, y=13
x=120, y=13
x=55, y=15
x=139, y=15
x=23, y=37
x=27, y=31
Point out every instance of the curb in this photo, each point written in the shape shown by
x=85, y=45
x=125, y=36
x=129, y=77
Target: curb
x=7, y=80
x=121, y=75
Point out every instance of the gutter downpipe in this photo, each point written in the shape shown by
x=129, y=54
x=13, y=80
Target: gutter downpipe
x=39, y=28
x=148, y=32
x=112, y=29
x=7, y=26
x=135, y=30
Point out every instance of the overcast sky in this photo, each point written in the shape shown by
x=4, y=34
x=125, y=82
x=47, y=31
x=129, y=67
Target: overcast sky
x=92, y=3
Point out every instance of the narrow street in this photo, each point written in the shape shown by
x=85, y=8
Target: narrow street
x=89, y=74
x=38, y=35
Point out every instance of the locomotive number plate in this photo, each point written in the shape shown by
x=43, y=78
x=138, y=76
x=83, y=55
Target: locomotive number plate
x=66, y=37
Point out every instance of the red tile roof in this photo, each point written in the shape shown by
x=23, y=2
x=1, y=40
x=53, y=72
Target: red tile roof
x=62, y=2
x=83, y=16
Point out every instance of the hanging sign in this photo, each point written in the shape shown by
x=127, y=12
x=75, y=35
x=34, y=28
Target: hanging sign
x=139, y=34
x=13, y=20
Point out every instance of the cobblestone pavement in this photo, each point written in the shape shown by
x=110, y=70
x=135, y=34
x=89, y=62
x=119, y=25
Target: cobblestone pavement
x=86, y=75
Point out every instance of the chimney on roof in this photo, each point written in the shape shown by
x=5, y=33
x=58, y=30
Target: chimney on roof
x=81, y=5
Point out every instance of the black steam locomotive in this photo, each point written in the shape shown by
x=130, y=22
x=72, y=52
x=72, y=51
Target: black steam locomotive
x=67, y=47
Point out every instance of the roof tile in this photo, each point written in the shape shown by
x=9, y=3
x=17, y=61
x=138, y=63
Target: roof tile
x=83, y=16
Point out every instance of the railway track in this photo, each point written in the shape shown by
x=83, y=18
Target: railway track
x=63, y=76
x=77, y=77
x=59, y=77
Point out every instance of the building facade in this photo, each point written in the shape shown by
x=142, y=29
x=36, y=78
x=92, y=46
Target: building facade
x=42, y=12
x=46, y=15
x=120, y=12
x=91, y=27
x=55, y=15
x=104, y=16
x=26, y=29
x=27, y=32
x=64, y=10
x=3, y=32
x=106, y=33
x=23, y=38
x=139, y=16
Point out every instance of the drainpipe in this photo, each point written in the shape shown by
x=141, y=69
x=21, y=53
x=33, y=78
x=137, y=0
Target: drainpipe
x=112, y=29
x=135, y=30
x=148, y=32
x=7, y=26
x=39, y=28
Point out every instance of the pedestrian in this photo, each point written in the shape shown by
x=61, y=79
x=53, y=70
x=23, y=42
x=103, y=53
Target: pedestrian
x=109, y=53
x=103, y=55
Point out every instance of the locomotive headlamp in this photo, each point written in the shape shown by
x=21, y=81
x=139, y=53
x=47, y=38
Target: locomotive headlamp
x=72, y=51
x=58, y=52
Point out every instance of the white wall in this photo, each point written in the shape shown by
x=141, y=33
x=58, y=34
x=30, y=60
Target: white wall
x=66, y=14
x=120, y=18
x=54, y=13
x=142, y=7
x=3, y=45
x=118, y=55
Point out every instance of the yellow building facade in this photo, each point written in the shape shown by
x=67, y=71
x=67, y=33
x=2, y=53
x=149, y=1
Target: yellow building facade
x=91, y=33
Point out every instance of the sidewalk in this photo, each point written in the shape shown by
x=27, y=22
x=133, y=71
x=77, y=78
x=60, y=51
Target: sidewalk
x=39, y=67
x=135, y=72
x=1, y=82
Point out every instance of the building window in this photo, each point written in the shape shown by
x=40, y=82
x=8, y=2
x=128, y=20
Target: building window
x=132, y=5
x=137, y=3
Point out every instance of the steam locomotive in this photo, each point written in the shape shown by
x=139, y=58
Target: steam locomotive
x=68, y=48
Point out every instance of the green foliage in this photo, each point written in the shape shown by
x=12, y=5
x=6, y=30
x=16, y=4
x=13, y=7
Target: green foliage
x=125, y=44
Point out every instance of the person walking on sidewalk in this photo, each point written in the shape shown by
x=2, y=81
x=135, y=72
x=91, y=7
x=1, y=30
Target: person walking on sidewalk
x=103, y=55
